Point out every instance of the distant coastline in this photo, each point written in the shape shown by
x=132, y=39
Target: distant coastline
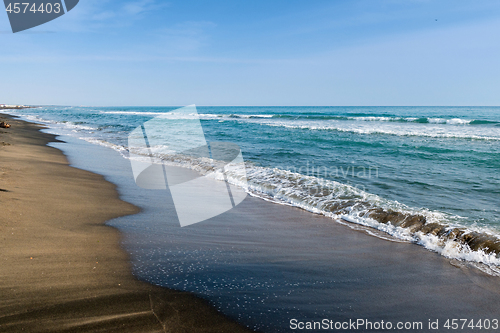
x=17, y=107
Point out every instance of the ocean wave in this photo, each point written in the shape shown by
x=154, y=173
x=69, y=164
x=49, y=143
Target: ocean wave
x=119, y=148
x=360, y=118
x=172, y=114
x=288, y=119
x=483, y=122
x=249, y=116
x=432, y=132
x=74, y=126
x=78, y=126
x=420, y=120
x=135, y=113
x=425, y=120
x=434, y=230
x=385, y=119
x=453, y=121
x=437, y=231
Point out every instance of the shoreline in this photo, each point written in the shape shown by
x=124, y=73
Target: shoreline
x=438, y=231
x=63, y=268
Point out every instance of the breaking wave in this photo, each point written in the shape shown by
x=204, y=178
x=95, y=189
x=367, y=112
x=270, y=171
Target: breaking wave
x=408, y=130
x=437, y=231
x=306, y=116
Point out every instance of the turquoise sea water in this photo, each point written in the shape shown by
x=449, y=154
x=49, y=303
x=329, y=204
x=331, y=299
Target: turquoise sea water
x=428, y=175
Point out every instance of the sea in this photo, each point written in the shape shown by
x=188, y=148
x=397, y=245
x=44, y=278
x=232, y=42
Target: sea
x=426, y=175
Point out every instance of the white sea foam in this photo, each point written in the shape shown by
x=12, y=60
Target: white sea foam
x=397, y=129
x=172, y=114
x=455, y=250
x=453, y=121
x=288, y=188
x=79, y=126
x=119, y=148
x=398, y=126
x=375, y=118
x=135, y=113
x=337, y=200
x=249, y=116
x=63, y=124
x=202, y=115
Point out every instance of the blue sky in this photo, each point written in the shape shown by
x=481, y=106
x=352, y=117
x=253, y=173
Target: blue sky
x=152, y=52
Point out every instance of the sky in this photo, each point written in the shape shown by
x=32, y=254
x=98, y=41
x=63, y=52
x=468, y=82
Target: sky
x=269, y=53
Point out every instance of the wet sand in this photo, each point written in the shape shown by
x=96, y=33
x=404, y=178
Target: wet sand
x=62, y=269
x=279, y=263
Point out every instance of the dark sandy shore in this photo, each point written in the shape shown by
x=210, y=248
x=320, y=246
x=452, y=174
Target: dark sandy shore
x=62, y=269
